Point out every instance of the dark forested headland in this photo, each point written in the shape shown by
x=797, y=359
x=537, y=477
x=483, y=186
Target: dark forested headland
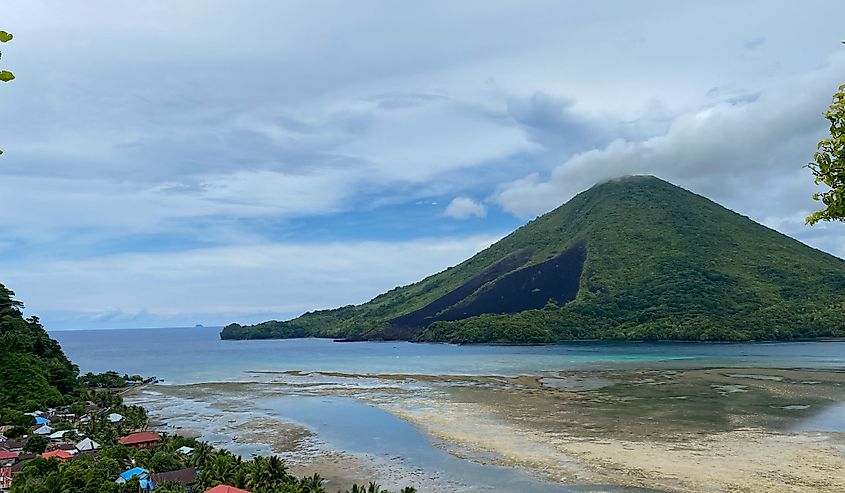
x=634, y=258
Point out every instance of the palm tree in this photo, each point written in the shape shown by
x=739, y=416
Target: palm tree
x=312, y=484
x=201, y=455
x=223, y=467
x=276, y=469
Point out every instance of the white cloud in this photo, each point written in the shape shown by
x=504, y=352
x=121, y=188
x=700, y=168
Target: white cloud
x=46, y=208
x=418, y=143
x=201, y=122
x=226, y=284
x=748, y=155
x=465, y=208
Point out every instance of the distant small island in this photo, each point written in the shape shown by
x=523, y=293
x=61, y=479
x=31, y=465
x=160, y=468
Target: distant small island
x=631, y=259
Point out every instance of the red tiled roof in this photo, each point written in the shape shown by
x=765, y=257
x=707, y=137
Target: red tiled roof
x=59, y=454
x=140, y=437
x=225, y=488
x=6, y=454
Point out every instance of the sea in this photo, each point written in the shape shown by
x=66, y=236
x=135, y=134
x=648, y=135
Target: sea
x=181, y=356
x=198, y=355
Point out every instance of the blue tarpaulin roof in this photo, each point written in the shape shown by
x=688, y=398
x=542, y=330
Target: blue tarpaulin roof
x=135, y=471
x=40, y=420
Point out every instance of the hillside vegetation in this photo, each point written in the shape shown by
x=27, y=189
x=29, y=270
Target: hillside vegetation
x=634, y=258
x=36, y=371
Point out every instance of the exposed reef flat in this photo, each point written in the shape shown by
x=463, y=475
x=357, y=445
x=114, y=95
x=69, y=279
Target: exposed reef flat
x=732, y=430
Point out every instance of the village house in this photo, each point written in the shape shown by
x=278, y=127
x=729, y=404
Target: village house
x=12, y=445
x=5, y=477
x=87, y=445
x=43, y=430
x=64, y=446
x=135, y=472
x=60, y=435
x=143, y=439
x=58, y=454
x=92, y=408
x=186, y=477
x=225, y=488
x=7, y=457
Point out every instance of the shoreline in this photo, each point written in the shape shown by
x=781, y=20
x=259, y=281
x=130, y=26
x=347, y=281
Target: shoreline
x=541, y=344
x=569, y=430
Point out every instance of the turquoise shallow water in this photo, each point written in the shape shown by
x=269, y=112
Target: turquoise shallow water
x=196, y=355
x=192, y=355
x=352, y=426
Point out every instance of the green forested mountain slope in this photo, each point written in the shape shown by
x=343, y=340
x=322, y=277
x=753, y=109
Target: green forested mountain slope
x=634, y=258
x=35, y=371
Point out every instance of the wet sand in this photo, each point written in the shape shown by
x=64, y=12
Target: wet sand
x=719, y=430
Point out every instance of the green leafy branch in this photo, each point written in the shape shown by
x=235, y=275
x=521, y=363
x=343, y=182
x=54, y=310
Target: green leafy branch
x=5, y=75
x=828, y=164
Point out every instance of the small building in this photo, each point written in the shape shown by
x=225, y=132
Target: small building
x=60, y=435
x=5, y=477
x=185, y=450
x=225, y=488
x=140, y=439
x=186, y=477
x=43, y=430
x=114, y=418
x=91, y=407
x=87, y=445
x=57, y=454
x=41, y=420
x=135, y=472
x=7, y=457
x=12, y=445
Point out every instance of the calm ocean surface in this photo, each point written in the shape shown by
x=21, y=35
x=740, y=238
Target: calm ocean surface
x=197, y=355
x=193, y=355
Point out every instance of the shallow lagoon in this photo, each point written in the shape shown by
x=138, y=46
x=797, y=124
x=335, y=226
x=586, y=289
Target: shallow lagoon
x=360, y=399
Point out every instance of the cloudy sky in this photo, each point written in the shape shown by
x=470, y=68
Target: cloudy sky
x=171, y=163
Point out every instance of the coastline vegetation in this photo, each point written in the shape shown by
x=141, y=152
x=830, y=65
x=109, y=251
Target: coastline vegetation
x=41, y=377
x=97, y=473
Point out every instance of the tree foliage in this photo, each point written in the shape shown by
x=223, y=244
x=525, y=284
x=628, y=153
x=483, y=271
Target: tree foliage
x=95, y=474
x=36, y=444
x=107, y=380
x=828, y=164
x=5, y=75
x=43, y=375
